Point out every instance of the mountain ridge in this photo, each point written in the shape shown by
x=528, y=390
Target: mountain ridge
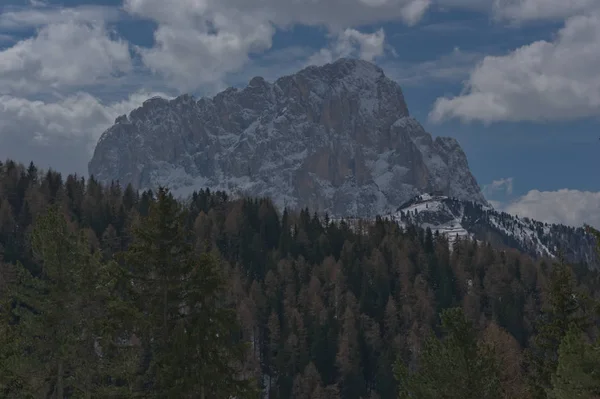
x=337, y=138
x=452, y=216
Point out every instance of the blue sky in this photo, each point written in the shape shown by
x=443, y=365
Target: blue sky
x=517, y=82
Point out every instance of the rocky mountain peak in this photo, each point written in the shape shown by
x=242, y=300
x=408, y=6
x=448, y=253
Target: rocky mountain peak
x=348, y=69
x=335, y=138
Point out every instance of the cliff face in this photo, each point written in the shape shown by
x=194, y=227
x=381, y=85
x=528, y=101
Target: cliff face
x=335, y=138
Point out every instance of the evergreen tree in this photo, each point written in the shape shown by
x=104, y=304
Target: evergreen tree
x=327, y=307
x=566, y=309
x=50, y=332
x=578, y=371
x=455, y=367
x=185, y=333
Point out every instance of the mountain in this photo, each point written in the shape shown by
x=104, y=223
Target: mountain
x=336, y=138
x=459, y=218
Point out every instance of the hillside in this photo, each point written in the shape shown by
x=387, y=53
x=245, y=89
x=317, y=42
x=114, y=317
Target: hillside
x=324, y=311
x=454, y=217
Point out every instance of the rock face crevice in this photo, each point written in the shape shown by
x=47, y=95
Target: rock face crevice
x=336, y=138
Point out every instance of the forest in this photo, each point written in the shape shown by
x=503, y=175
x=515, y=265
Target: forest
x=107, y=292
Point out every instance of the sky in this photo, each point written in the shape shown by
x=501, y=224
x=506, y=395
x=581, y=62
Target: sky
x=517, y=82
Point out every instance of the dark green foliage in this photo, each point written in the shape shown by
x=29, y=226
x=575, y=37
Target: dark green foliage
x=454, y=367
x=55, y=316
x=323, y=307
x=566, y=308
x=185, y=331
x=578, y=370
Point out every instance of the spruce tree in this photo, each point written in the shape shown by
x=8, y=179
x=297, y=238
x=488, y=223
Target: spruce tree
x=455, y=367
x=577, y=373
x=565, y=309
x=185, y=333
x=51, y=320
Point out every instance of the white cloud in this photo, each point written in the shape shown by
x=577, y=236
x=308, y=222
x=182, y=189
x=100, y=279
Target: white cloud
x=502, y=186
x=518, y=11
x=351, y=42
x=527, y=10
x=63, y=54
x=335, y=14
x=498, y=205
x=192, y=56
x=42, y=15
x=541, y=81
x=413, y=11
x=455, y=65
x=38, y=3
x=78, y=115
x=41, y=130
x=200, y=41
x=570, y=207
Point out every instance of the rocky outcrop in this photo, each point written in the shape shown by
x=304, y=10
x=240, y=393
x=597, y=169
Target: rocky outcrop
x=336, y=138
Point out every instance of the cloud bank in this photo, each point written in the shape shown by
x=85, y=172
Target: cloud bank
x=539, y=82
x=570, y=207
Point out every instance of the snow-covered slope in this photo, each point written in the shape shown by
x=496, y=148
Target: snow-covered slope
x=458, y=218
x=336, y=138
x=430, y=211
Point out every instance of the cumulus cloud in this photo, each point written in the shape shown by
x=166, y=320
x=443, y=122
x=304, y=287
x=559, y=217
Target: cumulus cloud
x=43, y=15
x=335, y=14
x=542, y=81
x=78, y=115
x=520, y=11
x=38, y=3
x=200, y=42
x=65, y=54
x=43, y=130
x=191, y=56
x=570, y=207
x=502, y=186
x=455, y=66
x=528, y=10
x=351, y=42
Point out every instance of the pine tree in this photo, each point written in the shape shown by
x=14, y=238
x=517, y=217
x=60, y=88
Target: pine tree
x=456, y=367
x=50, y=332
x=578, y=371
x=32, y=173
x=185, y=333
x=565, y=309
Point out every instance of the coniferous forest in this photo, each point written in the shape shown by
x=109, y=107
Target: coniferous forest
x=106, y=292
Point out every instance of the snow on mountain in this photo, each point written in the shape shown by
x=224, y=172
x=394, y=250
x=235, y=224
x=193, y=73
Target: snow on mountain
x=458, y=218
x=430, y=211
x=336, y=138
